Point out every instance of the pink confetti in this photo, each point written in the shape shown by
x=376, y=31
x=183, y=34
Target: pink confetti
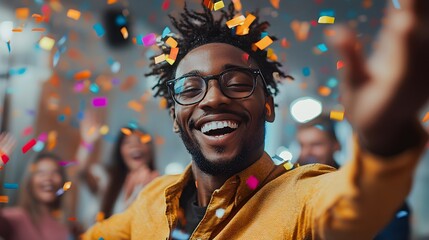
x=27, y=131
x=149, y=39
x=252, y=182
x=43, y=137
x=99, y=102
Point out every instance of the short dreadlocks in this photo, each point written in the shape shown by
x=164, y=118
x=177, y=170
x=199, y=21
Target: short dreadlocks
x=200, y=28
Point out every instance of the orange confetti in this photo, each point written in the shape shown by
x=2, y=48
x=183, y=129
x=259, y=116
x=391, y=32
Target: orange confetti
x=37, y=17
x=72, y=219
x=324, y=91
x=73, y=14
x=275, y=3
x=85, y=74
x=110, y=2
x=303, y=85
x=235, y=21
x=159, y=140
x=336, y=115
x=426, y=117
x=146, y=138
x=301, y=30
x=17, y=30
x=38, y=29
x=52, y=140
x=244, y=28
x=126, y=131
x=129, y=83
x=173, y=53
x=209, y=4
x=329, y=32
x=136, y=106
x=285, y=43
x=124, y=32
x=163, y=103
x=22, y=13
x=67, y=186
x=264, y=43
x=99, y=217
x=171, y=42
x=237, y=5
x=4, y=199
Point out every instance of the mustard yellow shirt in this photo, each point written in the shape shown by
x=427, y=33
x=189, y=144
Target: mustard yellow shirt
x=307, y=202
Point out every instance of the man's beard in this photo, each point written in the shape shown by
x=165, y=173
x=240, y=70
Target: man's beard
x=225, y=168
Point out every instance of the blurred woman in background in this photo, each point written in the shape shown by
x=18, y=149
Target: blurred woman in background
x=38, y=215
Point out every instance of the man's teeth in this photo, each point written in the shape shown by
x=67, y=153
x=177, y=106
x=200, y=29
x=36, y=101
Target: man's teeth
x=218, y=125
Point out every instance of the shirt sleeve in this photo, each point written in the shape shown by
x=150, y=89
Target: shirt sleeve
x=358, y=200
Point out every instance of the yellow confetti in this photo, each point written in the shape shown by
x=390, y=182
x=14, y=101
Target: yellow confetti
x=160, y=58
x=169, y=60
x=73, y=14
x=326, y=20
x=4, y=199
x=126, y=131
x=145, y=138
x=236, y=21
x=22, y=13
x=264, y=43
x=219, y=5
x=104, y=130
x=288, y=165
x=47, y=43
x=67, y=186
x=337, y=115
x=171, y=42
x=124, y=32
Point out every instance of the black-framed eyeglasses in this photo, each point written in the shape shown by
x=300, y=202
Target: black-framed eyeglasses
x=235, y=83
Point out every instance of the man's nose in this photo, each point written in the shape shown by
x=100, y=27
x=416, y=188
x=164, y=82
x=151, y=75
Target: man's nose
x=214, y=96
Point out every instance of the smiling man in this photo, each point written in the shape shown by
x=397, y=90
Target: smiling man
x=220, y=93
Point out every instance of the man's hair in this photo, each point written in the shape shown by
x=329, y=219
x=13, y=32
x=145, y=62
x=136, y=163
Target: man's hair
x=200, y=28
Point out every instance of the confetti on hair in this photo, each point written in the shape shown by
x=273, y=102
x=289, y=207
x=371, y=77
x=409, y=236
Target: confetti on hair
x=126, y=131
x=22, y=13
x=220, y=212
x=209, y=4
x=30, y=144
x=10, y=185
x=99, y=30
x=252, y=182
x=326, y=20
x=336, y=115
x=244, y=28
x=73, y=14
x=149, y=39
x=237, y=5
x=173, y=53
x=179, y=235
x=99, y=102
x=236, y=21
x=264, y=43
x=165, y=32
x=4, y=199
x=171, y=42
x=67, y=186
x=275, y=3
x=47, y=43
x=124, y=32
x=159, y=59
x=218, y=5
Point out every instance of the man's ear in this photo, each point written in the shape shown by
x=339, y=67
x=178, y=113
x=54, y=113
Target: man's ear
x=173, y=117
x=270, y=114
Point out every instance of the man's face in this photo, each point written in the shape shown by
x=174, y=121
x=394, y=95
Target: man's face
x=316, y=146
x=237, y=136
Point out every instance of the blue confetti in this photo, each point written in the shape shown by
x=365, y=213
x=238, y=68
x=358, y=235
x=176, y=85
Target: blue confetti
x=39, y=146
x=396, y=4
x=322, y=47
x=94, y=88
x=306, y=71
x=99, y=30
x=62, y=40
x=332, y=82
x=401, y=214
x=139, y=39
x=10, y=185
x=8, y=46
x=264, y=34
x=56, y=58
x=61, y=118
x=165, y=32
x=330, y=13
x=178, y=234
x=121, y=20
x=18, y=71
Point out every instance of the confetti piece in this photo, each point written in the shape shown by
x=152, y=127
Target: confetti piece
x=18, y=71
x=110, y=2
x=220, y=212
x=173, y=53
x=104, y=130
x=244, y=28
x=38, y=29
x=275, y=3
x=124, y=32
x=8, y=46
x=306, y=71
x=99, y=102
x=22, y=13
x=73, y=14
x=10, y=185
x=426, y=117
x=163, y=103
x=129, y=83
x=300, y=29
x=288, y=165
x=324, y=91
x=146, y=138
x=264, y=42
x=237, y=5
x=179, y=234
x=28, y=145
x=47, y=43
x=17, y=30
x=326, y=20
x=252, y=182
x=99, y=30
x=332, y=82
x=37, y=17
x=171, y=42
x=85, y=74
x=284, y=43
x=99, y=217
x=235, y=21
x=94, y=88
x=401, y=214
x=165, y=32
x=136, y=106
x=337, y=115
x=67, y=186
x=72, y=219
x=4, y=158
x=165, y=5
x=126, y=131
x=396, y=4
x=340, y=64
x=160, y=58
x=120, y=20
x=322, y=47
x=208, y=4
x=59, y=192
x=4, y=199
x=39, y=146
x=149, y=39
x=219, y=5
x=52, y=140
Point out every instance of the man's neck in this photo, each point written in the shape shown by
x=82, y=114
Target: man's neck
x=206, y=184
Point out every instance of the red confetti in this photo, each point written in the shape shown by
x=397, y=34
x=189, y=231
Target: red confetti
x=165, y=5
x=340, y=64
x=29, y=145
x=4, y=158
